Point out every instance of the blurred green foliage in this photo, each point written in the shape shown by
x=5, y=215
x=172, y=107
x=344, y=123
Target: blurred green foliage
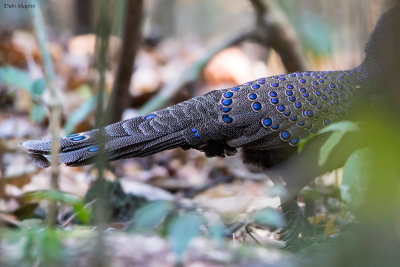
x=15, y=78
x=83, y=214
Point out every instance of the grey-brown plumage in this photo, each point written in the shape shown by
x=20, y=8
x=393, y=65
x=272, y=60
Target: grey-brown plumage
x=266, y=117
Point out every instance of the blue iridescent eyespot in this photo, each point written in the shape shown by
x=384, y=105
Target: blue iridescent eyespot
x=196, y=135
x=306, y=95
x=332, y=85
x=302, y=80
x=194, y=130
x=324, y=97
x=274, y=100
x=318, y=106
x=274, y=84
x=292, y=99
x=336, y=102
x=285, y=135
x=235, y=89
x=227, y=119
x=93, y=149
x=282, y=79
x=256, y=106
x=301, y=123
x=289, y=92
x=303, y=90
x=293, y=75
x=335, y=95
x=318, y=93
x=252, y=96
x=294, y=118
x=321, y=81
x=294, y=141
x=281, y=108
x=315, y=83
x=313, y=102
x=297, y=105
x=78, y=138
x=307, y=74
x=289, y=86
x=309, y=113
x=224, y=109
x=261, y=82
x=226, y=102
x=255, y=86
x=327, y=122
x=150, y=116
x=310, y=98
x=329, y=92
x=72, y=135
x=275, y=127
x=228, y=94
x=273, y=94
x=267, y=122
x=300, y=75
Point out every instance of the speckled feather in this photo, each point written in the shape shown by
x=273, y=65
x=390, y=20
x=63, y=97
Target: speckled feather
x=269, y=115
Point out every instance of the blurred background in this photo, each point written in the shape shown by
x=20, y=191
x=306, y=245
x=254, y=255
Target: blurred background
x=181, y=48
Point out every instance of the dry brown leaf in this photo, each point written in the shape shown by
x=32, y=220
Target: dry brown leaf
x=230, y=66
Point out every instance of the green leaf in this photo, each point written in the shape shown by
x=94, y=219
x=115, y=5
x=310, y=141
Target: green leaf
x=80, y=114
x=38, y=87
x=343, y=126
x=82, y=213
x=328, y=146
x=356, y=169
x=151, y=215
x=339, y=129
x=268, y=217
x=15, y=78
x=37, y=113
x=182, y=229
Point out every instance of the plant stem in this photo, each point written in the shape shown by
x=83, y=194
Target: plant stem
x=54, y=106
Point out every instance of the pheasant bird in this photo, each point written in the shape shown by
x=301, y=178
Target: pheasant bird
x=265, y=118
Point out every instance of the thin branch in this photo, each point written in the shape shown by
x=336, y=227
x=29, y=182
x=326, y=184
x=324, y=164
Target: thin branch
x=54, y=105
x=100, y=212
x=120, y=97
x=274, y=31
x=269, y=31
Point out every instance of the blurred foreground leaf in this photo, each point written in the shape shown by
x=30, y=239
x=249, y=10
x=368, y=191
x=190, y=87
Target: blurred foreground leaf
x=15, y=78
x=78, y=205
x=267, y=217
x=355, y=172
x=150, y=215
x=80, y=114
x=182, y=229
x=339, y=129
